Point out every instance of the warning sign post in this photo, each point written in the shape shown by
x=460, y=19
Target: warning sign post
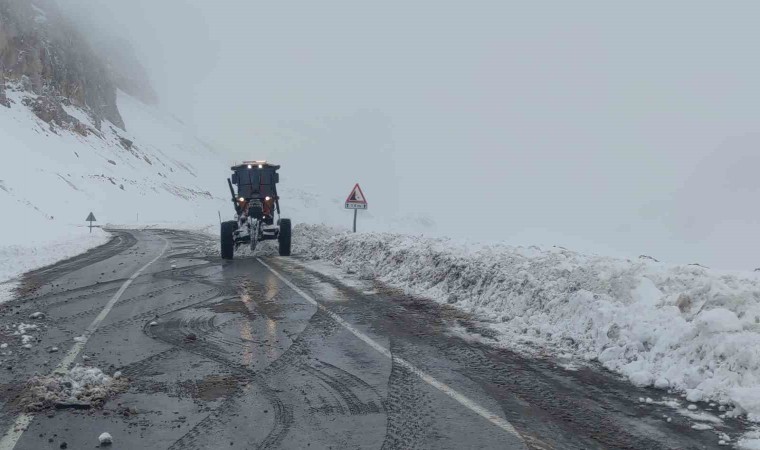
x=91, y=218
x=356, y=201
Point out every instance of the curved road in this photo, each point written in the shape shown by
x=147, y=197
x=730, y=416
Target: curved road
x=265, y=353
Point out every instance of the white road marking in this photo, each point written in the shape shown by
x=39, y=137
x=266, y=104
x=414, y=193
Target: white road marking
x=443, y=387
x=14, y=433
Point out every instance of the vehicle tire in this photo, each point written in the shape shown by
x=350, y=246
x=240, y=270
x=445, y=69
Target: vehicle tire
x=227, y=239
x=284, y=237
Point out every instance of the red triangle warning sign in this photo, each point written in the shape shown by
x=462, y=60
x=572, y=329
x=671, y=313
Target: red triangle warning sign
x=356, y=199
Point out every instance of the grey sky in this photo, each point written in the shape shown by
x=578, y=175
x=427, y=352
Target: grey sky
x=617, y=127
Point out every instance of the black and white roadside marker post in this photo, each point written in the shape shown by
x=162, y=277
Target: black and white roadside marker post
x=91, y=218
x=356, y=201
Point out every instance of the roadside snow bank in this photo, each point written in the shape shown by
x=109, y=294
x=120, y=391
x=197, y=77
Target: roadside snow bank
x=82, y=387
x=28, y=253
x=684, y=328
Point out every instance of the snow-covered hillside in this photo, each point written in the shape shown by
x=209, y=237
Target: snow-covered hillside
x=53, y=176
x=156, y=173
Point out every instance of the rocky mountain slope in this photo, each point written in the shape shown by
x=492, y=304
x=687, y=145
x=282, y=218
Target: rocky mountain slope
x=48, y=57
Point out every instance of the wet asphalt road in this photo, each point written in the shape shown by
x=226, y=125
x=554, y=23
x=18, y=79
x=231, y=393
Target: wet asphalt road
x=238, y=359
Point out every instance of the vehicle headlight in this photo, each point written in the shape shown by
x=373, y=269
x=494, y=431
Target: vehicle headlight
x=268, y=198
x=241, y=199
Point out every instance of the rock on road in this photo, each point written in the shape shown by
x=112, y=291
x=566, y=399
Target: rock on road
x=266, y=353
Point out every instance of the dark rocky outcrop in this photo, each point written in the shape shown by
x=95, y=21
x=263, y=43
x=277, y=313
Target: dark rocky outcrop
x=3, y=99
x=50, y=110
x=42, y=51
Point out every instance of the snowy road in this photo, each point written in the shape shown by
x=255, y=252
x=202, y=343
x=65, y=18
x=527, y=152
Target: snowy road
x=269, y=354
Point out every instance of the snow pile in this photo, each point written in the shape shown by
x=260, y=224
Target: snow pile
x=23, y=328
x=684, y=328
x=23, y=331
x=105, y=439
x=82, y=387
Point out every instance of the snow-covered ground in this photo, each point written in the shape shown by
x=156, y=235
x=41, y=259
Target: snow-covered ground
x=685, y=329
x=51, y=178
x=28, y=254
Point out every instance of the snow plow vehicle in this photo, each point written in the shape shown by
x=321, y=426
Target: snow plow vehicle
x=256, y=202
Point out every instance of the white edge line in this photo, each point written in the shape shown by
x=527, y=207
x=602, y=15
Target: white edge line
x=443, y=387
x=14, y=433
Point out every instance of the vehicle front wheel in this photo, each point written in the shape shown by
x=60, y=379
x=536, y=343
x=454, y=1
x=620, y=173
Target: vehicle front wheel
x=228, y=239
x=284, y=237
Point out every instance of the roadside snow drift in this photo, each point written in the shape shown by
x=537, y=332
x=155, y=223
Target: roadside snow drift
x=684, y=328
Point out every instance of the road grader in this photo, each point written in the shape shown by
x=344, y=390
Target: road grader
x=257, y=209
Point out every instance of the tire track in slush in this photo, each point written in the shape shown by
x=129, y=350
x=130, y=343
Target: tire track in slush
x=282, y=413
x=409, y=413
x=290, y=360
x=463, y=400
x=90, y=311
x=343, y=384
x=336, y=382
x=152, y=313
x=192, y=438
x=175, y=335
x=358, y=397
x=142, y=366
x=50, y=300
